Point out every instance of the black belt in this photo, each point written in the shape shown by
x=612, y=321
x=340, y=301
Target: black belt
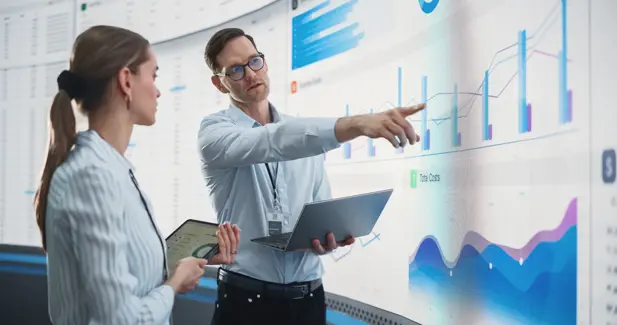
x=296, y=290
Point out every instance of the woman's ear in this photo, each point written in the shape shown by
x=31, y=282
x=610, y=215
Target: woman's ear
x=125, y=83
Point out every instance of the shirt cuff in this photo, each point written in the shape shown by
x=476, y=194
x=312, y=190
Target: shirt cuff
x=165, y=295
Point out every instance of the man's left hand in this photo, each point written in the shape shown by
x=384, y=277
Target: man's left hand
x=331, y=244
x=229, y=240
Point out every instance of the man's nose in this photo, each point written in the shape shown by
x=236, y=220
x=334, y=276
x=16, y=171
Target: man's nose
x=249, y=74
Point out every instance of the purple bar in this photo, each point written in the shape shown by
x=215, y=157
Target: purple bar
x=569, y=105
x=458, y=139
x=528, y=117
x=428, y=139
x=490, y=131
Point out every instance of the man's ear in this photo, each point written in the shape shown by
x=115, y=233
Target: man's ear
x=216, y=81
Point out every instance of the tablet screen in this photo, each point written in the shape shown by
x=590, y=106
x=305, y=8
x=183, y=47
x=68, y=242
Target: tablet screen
x=193, y=238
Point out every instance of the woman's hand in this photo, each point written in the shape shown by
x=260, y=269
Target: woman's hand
x=229, y=239
x=186, y=275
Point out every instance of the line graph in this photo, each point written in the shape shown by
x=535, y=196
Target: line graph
x=462, y=109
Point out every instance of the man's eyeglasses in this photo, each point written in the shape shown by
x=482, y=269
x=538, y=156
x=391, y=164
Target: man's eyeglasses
x=237, y=72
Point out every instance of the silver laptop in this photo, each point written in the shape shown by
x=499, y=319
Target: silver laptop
x=351, y=216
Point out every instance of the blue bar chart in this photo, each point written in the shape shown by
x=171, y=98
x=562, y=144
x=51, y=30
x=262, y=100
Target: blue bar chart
x=311, y=40
x=370, y=145
x=524, y=108
x=426, y=132
x=565, y=94
x=487, y=129
x=483, y=103
x=399, y=96
x=347, y=145
x=456, y=135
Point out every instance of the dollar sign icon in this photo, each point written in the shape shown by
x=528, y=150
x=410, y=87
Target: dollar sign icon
x=608, y=166
x=413, y=179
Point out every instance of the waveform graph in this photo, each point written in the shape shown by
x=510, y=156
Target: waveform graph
x=535, y=283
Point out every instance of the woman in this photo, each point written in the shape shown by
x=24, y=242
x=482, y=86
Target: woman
x=106, y=257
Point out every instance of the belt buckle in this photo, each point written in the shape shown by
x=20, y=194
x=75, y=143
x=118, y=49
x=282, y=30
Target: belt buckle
x=303, y=289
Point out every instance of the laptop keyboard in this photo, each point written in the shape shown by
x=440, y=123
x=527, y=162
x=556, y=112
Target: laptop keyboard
x=279, y=240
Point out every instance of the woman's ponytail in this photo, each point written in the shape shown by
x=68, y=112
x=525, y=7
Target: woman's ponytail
x=62, y=133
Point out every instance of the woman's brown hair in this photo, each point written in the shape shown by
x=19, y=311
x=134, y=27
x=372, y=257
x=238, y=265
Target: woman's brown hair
x=98, y=55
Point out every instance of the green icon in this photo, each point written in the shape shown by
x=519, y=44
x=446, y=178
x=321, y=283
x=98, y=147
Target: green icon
x=413, y=176
x=84, y=6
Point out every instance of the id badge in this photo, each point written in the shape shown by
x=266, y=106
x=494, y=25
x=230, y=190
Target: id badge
x=276, y=220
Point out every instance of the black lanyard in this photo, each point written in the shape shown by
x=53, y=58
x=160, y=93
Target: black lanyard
x=273, y=181
x=143, y=200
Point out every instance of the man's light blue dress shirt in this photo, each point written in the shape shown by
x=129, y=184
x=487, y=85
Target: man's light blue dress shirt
x=233, y=149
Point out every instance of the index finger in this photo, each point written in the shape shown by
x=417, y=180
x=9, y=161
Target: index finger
x=408, y=111
x=233, y=244
x=223, y=244
x=237, y=233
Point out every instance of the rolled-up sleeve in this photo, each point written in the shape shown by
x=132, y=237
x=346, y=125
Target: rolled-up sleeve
x=223, y=144
x=93, y=203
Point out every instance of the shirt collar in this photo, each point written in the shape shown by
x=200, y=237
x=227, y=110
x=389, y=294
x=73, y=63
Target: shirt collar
x=92, y=139
x=246, y=121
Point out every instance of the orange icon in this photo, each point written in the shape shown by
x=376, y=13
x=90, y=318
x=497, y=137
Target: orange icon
x=294, y=87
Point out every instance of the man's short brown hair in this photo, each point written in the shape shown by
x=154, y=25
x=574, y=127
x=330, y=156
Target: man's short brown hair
x=217, y=43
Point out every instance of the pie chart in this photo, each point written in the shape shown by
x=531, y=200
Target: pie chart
x=428, y=6
x=202, y=250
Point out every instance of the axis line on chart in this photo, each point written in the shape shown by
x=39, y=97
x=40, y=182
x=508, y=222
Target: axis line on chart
x=363, y=243
x=338, y=258
x=367, y=242
x=541, y=137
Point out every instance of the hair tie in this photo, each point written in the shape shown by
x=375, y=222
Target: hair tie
x=71, y=84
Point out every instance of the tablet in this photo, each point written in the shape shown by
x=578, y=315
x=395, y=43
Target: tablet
x=193, y=238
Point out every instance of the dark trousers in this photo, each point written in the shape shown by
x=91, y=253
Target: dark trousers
x=238, y=306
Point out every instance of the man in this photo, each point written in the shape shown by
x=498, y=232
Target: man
x=261, y=167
